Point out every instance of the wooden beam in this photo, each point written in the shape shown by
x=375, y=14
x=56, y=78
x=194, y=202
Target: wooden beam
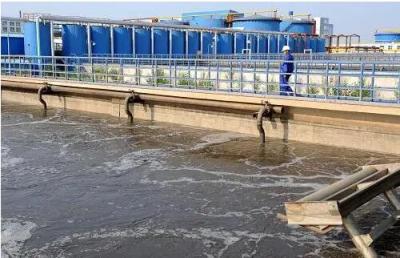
x=313, y=213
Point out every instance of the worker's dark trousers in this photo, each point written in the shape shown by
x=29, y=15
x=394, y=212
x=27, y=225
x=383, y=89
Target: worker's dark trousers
x=284, y=87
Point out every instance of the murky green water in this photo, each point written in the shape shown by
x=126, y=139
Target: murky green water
x=83, y=185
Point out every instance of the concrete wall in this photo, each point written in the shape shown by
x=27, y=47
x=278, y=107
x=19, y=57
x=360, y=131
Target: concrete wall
x=345, y=124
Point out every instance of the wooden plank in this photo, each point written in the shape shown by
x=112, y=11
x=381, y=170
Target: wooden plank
x=320, y=229
x=358, y=198
x=313, y=213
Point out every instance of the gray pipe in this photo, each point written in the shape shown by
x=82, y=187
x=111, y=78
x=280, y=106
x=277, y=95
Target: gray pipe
x=264, y=110
x=43, y=90
x=325, y=192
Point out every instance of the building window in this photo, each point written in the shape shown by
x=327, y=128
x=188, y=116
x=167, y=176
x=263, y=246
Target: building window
x=398, y=47
x=389, y=47
x=4, y=27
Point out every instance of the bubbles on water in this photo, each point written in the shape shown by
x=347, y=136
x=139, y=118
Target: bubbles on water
x=153, y=158
x=14, y=233
x=218, y=138
x=7, y=161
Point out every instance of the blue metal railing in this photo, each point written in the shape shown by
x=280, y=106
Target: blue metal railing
x=368, y=81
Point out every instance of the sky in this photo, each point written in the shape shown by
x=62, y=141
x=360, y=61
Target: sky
x=348, y=18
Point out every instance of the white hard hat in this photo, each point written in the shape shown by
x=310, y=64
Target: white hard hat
x=285, y=48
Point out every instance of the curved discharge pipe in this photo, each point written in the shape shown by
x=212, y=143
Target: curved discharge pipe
x=267, y=110
x=132, y=98
x=264, y=111
x=43, y=90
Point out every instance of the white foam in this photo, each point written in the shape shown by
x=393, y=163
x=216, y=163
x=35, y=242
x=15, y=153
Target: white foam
x=152, y=157
x=6, y=160
x=14, y=233
x=217, y=139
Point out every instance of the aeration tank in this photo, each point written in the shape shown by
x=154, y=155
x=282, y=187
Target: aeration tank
x=257, y=22
x=282, y=41
x=262, y=44
x=297, y=26
x=224, y=43
x=74, y=39
x=142, y=41
x=178, y=42
x=314, y=44
x=30, y=39
x=122, y=37
x=207, y=22
x=161, y=42
x=194, y=42
x=208, y=43
x=12, y=45
x=387, y=37
x=273, y=44
x=320, y=45
x=240, y=43
x=101, y=40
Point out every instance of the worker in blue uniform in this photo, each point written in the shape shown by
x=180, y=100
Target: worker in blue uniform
x=286, y=71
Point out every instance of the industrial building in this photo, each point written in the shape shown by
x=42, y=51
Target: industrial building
x=12, y=37
x=386, y=41
x=323, y=27
x=224, y=32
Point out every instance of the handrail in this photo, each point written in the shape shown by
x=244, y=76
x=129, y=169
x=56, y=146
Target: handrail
x=366, y=81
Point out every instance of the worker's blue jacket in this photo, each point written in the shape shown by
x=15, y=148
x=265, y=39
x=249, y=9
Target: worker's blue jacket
x=287, y=67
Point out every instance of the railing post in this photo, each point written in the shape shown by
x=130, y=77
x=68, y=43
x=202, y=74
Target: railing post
x=372, y=90
x=121, y=71
x=19, y=66
x=195, y=74
x=267, y=77
x=170, y=72
x=241, y=77
x=295, y=79
x=66, y=62
x=254, y=76
x=338, y=86
x=217, y=76
x=106, y=70
x=91, y=63
x=79, y=69
x=175, y=73
x=155, y=73
x=398, y=90
x=138, y=71
x=361, y=84
x=308, y=78
x=326, y=79
x=230, y=76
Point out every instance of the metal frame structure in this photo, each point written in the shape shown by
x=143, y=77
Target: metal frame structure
x=363, y=81
x=91, y=21
x=333, y=206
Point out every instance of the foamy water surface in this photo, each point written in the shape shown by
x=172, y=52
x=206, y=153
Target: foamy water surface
x=84, y=185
